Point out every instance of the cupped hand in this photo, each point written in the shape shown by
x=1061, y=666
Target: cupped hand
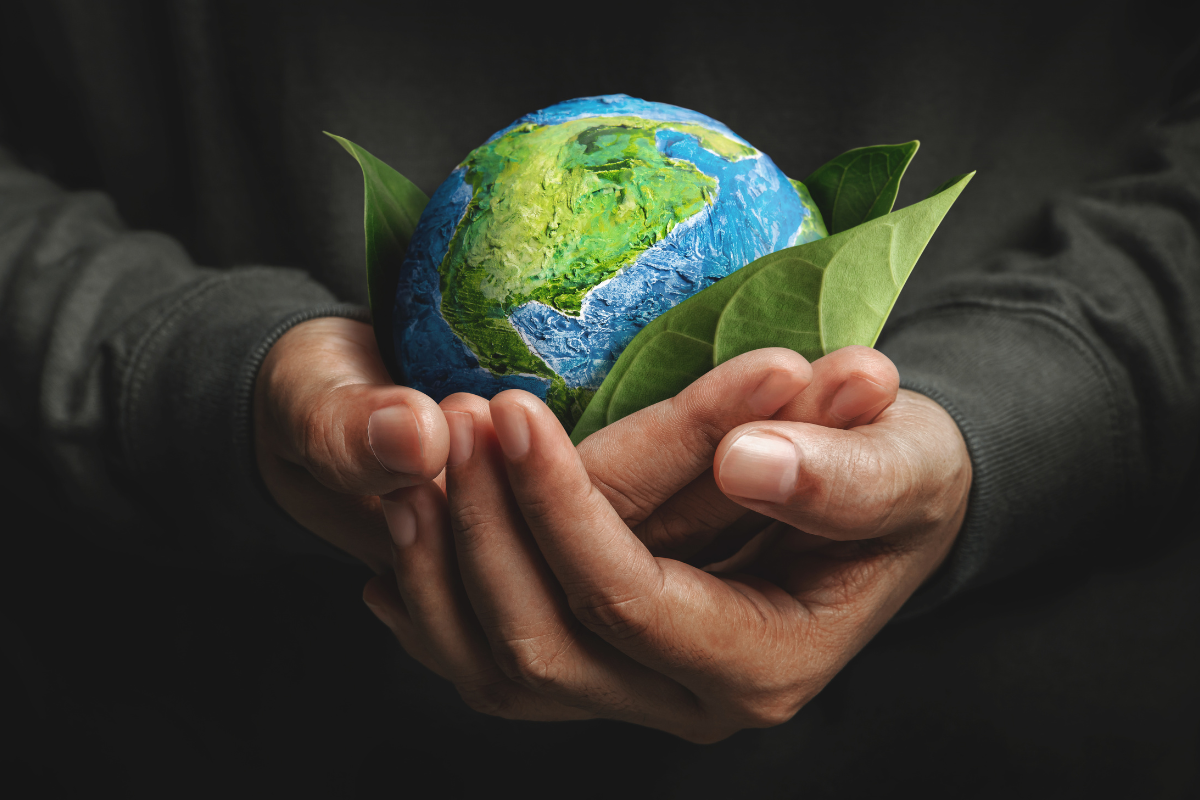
x=331, y=432
x=533, y=592
x=656, y=467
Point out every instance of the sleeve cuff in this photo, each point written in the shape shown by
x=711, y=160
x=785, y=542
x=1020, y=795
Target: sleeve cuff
x=186, y=412
x=1043, y=422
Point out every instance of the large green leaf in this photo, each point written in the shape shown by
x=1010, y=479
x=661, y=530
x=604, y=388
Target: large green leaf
x=813, y=298
x=392, y=205
x=860, y=185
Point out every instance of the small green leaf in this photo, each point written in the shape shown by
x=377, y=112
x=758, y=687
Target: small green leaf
x=813, y=298
x=392, y=205
x=860, y=185
x=668, y=363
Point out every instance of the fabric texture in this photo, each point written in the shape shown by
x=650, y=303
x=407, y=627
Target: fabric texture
x=1073, y=374
x=128, y=369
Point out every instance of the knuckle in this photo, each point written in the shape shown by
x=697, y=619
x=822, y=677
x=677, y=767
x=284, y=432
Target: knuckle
x=705, y=437
x=541, y=512
x=776, y=702
x=323, y=445
x=699, y=422
x=470, y=523
x=858, y=497
x=548, y=513
x=539, y=663
x=620, y=618
x=781, y=688
x=633, y=500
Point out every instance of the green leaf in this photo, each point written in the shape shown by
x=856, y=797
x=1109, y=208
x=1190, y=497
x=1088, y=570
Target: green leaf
x=392, y=205
x=951, y=182
x=813, y=298
x=860, y=185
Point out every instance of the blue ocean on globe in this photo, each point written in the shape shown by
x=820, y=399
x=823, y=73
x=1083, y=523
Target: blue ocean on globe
x=545, y=252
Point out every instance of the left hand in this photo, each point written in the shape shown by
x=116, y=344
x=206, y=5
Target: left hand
x=562, y=612
x=332, y=432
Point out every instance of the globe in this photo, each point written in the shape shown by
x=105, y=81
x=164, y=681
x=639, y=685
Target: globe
x=555, y=241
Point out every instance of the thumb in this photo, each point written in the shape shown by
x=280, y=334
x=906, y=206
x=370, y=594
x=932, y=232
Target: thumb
x=861, y=483
x=370, y=440
x=324, y=402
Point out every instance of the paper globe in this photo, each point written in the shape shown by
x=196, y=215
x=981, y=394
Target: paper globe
x=552, y=244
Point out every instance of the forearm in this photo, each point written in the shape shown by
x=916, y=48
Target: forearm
x=128, y=369
x=1074, y=375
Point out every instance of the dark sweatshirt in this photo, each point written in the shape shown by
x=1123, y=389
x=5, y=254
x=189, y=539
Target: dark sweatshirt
x=169, y=207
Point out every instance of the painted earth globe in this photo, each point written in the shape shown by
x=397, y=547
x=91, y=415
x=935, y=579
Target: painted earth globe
x=554, y=242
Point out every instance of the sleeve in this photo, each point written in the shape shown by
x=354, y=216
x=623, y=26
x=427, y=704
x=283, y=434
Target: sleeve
x=1073, y=373
x=128, y=371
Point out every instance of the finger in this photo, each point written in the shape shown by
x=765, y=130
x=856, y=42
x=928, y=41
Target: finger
x=428, y=583
x=441, y=623
x=582, y=537
x=325, y=402
x=362, y=439
x=383, y=599
x=866, y=482
x=820, y=573
x=850, y=387
x=699, y=522
x=612, y=582
x=715, y=637
x=641, y=460
x=533, y=634
x=352, y=523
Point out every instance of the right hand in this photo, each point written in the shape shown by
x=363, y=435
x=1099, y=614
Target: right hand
x=684, y=514
x=332, y=432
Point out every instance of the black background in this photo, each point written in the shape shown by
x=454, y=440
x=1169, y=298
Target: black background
x=1074, y=678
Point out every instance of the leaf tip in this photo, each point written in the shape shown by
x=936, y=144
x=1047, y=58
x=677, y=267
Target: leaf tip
x=346, y=144
x=959, y=181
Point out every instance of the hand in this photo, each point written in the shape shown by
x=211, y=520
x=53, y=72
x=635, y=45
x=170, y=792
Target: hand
x=561, y=610
x=331, y=431
x=682, y=513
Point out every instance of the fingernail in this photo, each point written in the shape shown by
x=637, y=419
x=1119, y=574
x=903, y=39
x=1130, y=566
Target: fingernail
x=857, y=396
x=760, y=466
x=512, y=429
x=395, y=438
x=462, y=437
x=401, y=521
x=775, y=390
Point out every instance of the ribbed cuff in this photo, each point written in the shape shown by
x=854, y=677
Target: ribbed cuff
x=186, y=404
x=1044, y=424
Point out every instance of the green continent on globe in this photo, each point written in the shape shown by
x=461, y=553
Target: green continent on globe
x=813, y=226
x=557, y=210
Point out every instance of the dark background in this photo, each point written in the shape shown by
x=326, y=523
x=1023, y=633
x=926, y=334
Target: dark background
x=1073, y=678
